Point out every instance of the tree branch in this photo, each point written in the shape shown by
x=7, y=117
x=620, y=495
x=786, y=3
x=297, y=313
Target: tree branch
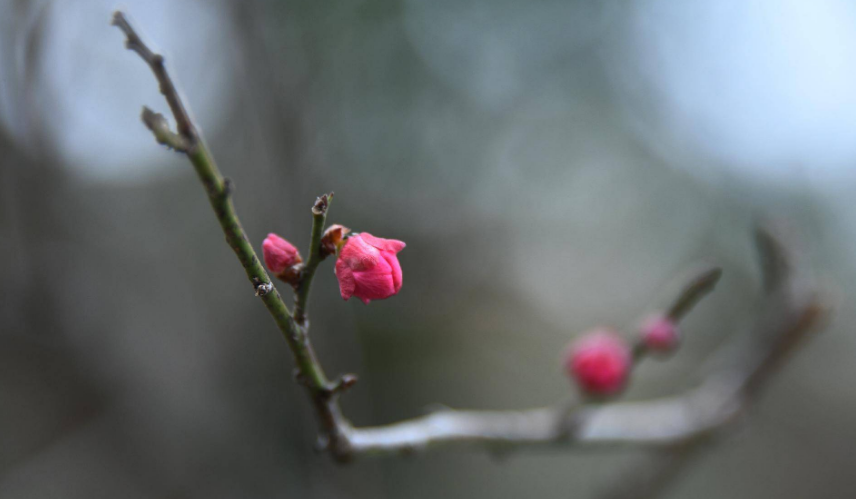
x=677, y=422
x=791, y=311
x=156, y=63
x=219, y=191
x=587, y=424
x=694, y=291
x=658, y=423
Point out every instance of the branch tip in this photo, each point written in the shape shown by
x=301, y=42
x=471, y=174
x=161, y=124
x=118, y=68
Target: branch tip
x=159, y=126
x=344, y=383
x=702, y=283
x=156, y=63
x=776, y=259
x=321, y=204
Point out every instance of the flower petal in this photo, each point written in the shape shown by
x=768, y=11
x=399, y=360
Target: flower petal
x=392, y=260
x=373, y=285
x=345, y=275
x=359, y=255
x=382, y=244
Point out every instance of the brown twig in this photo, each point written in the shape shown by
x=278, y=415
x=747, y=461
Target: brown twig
x=167, y=88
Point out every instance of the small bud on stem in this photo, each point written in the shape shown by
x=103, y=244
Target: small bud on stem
x=660, y=334
x=599, y=362
x=282, y=259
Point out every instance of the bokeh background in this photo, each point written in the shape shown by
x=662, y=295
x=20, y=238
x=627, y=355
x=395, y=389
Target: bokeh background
x=552, y=165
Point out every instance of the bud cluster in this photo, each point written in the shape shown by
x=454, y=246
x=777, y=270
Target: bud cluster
x=366, y=266
x=600, y=360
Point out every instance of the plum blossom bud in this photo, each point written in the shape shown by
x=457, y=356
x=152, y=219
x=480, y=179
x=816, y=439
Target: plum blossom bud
x=599, y=362
x=368, y=267
x=660, y=334
x=282, y=258
x=333, y=239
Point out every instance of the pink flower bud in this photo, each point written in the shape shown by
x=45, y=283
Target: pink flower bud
x=659, y=334
x=368, y=268
x=281, y=258
x=599, y=362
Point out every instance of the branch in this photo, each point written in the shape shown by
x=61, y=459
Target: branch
x=676, y=423
x=159, y=127
x=791, y=311
x=156, y=63
x=219, y=191
x=319, y=217
x=694, y=291
x=656, y=423
x=667, y=422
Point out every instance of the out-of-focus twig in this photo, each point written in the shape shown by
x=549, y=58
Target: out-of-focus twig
x=576, y=423
x=167, y=88
x=791, y=311
x=700, y=285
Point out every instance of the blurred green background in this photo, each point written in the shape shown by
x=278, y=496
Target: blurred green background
x=552, y=166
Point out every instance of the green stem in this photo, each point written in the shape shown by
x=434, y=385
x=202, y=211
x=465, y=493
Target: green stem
x=219, y=190
x=219, y=195
x=301, y=296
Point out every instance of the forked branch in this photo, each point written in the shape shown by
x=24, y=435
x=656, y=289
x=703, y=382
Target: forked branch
x=660, y=423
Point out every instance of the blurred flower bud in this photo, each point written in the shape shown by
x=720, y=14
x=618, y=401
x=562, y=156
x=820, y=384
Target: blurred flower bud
x=368, y=267
x=333, y=239
x=599, y=362
x=659, y=334
x=282, y=258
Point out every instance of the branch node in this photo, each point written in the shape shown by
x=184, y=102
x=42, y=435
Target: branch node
x=159, y=126
x=344, y=383
x=300, y=378
x=262, y=288
x=321, y=204
x=228, y=187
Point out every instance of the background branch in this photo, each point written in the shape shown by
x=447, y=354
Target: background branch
x=575, y=423
x=791, y=311
x=681, y=423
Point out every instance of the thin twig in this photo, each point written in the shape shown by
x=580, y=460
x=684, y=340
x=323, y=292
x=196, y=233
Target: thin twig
x=694, y=291
x=160, y=129
x=319, y=218
x=791, y=311
x=167, y=88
